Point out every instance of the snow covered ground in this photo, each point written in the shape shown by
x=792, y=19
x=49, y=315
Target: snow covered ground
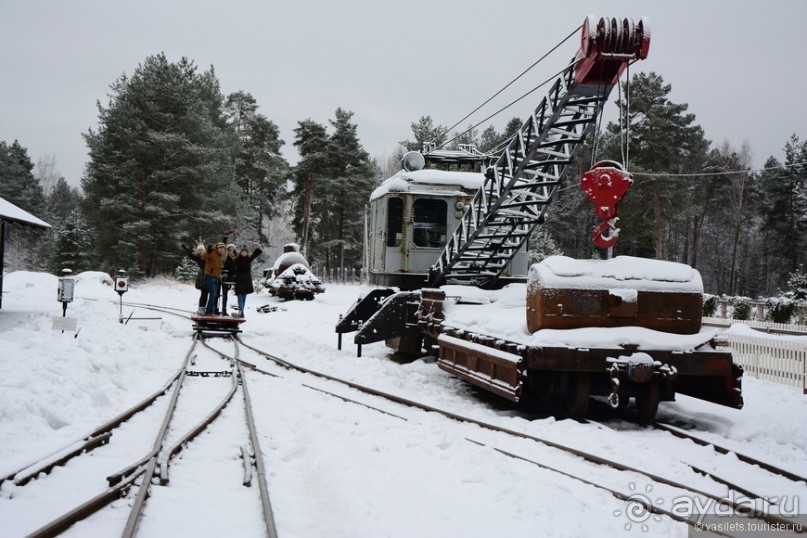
x=337, y=469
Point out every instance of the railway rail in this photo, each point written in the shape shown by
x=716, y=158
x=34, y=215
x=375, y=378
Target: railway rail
x=154, y=466
x=179, y=427
x=739, y=505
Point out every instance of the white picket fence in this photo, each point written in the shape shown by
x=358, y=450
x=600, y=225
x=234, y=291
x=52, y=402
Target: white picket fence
x=787, y=328
x=773, y=359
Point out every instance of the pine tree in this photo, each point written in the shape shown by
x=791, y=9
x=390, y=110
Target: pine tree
x=73, y=247
x=785, y=209
x=660, y=137
x=61, y=201
x=257, y=164
x=491, y=140
x=425, y=132
x=351, y=181
x=158, y=166
x=468, y=137
x=332, y=183
x=311, y=140
x=541, y=245
x=19, y=185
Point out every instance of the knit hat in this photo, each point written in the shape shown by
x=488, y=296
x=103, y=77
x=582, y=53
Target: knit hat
x=219, y=244
x=200, y=248
x=230, y=246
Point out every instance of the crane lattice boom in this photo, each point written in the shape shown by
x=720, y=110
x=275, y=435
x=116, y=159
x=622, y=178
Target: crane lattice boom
x=519, y=187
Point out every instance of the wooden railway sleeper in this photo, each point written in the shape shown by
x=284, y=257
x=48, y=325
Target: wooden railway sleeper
x=209, y=374
x=248, y=460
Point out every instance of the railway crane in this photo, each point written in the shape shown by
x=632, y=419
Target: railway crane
x=493, y=203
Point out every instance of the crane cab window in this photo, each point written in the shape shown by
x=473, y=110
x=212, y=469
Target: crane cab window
x=394, y=222
x=429, y=229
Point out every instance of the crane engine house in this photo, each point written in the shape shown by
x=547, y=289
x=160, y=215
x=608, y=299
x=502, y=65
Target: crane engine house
x=414, y=211
x=452, y=226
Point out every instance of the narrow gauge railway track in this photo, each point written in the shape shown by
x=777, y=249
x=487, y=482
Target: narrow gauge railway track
x=138, y=479
x=722, y=499
x=618, y=493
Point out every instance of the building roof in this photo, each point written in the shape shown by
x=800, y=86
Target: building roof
x=11, y=213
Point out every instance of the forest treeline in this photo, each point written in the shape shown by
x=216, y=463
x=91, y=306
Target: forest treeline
x=174, y=161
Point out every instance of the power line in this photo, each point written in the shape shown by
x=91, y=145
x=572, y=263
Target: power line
x=505, y=107
x=701, y=174
x=489, y=99
x=727, y=173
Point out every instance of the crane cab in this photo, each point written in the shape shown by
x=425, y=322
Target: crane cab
x=414, y=212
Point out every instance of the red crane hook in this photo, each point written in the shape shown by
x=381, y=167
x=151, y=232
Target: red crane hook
x=605, y=185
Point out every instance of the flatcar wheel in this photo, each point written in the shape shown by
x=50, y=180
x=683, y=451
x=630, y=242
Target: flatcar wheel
x=647, y=398
x=577, y=392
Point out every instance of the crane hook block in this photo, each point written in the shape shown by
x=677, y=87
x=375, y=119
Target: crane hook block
x=605, y=185
x=608, y=46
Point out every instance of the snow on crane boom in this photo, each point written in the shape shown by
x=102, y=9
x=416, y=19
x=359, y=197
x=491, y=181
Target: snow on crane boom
x=519, y=187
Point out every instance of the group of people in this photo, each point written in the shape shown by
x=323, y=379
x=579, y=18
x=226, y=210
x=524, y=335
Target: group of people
x=222, y=266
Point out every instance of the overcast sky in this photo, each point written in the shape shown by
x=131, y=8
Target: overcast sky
x=738, y=64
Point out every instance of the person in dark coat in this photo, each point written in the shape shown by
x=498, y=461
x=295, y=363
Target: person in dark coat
x=227, y=275
x=243, y=275
x=200, y=276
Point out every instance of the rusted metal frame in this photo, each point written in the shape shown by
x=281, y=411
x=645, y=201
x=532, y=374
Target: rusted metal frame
x=498, y=370
x=99, y=437
x=362, y=310
x=386, y=322
x=688, y=363
x=721, y=389
x=473, y=376
x=430, y=313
